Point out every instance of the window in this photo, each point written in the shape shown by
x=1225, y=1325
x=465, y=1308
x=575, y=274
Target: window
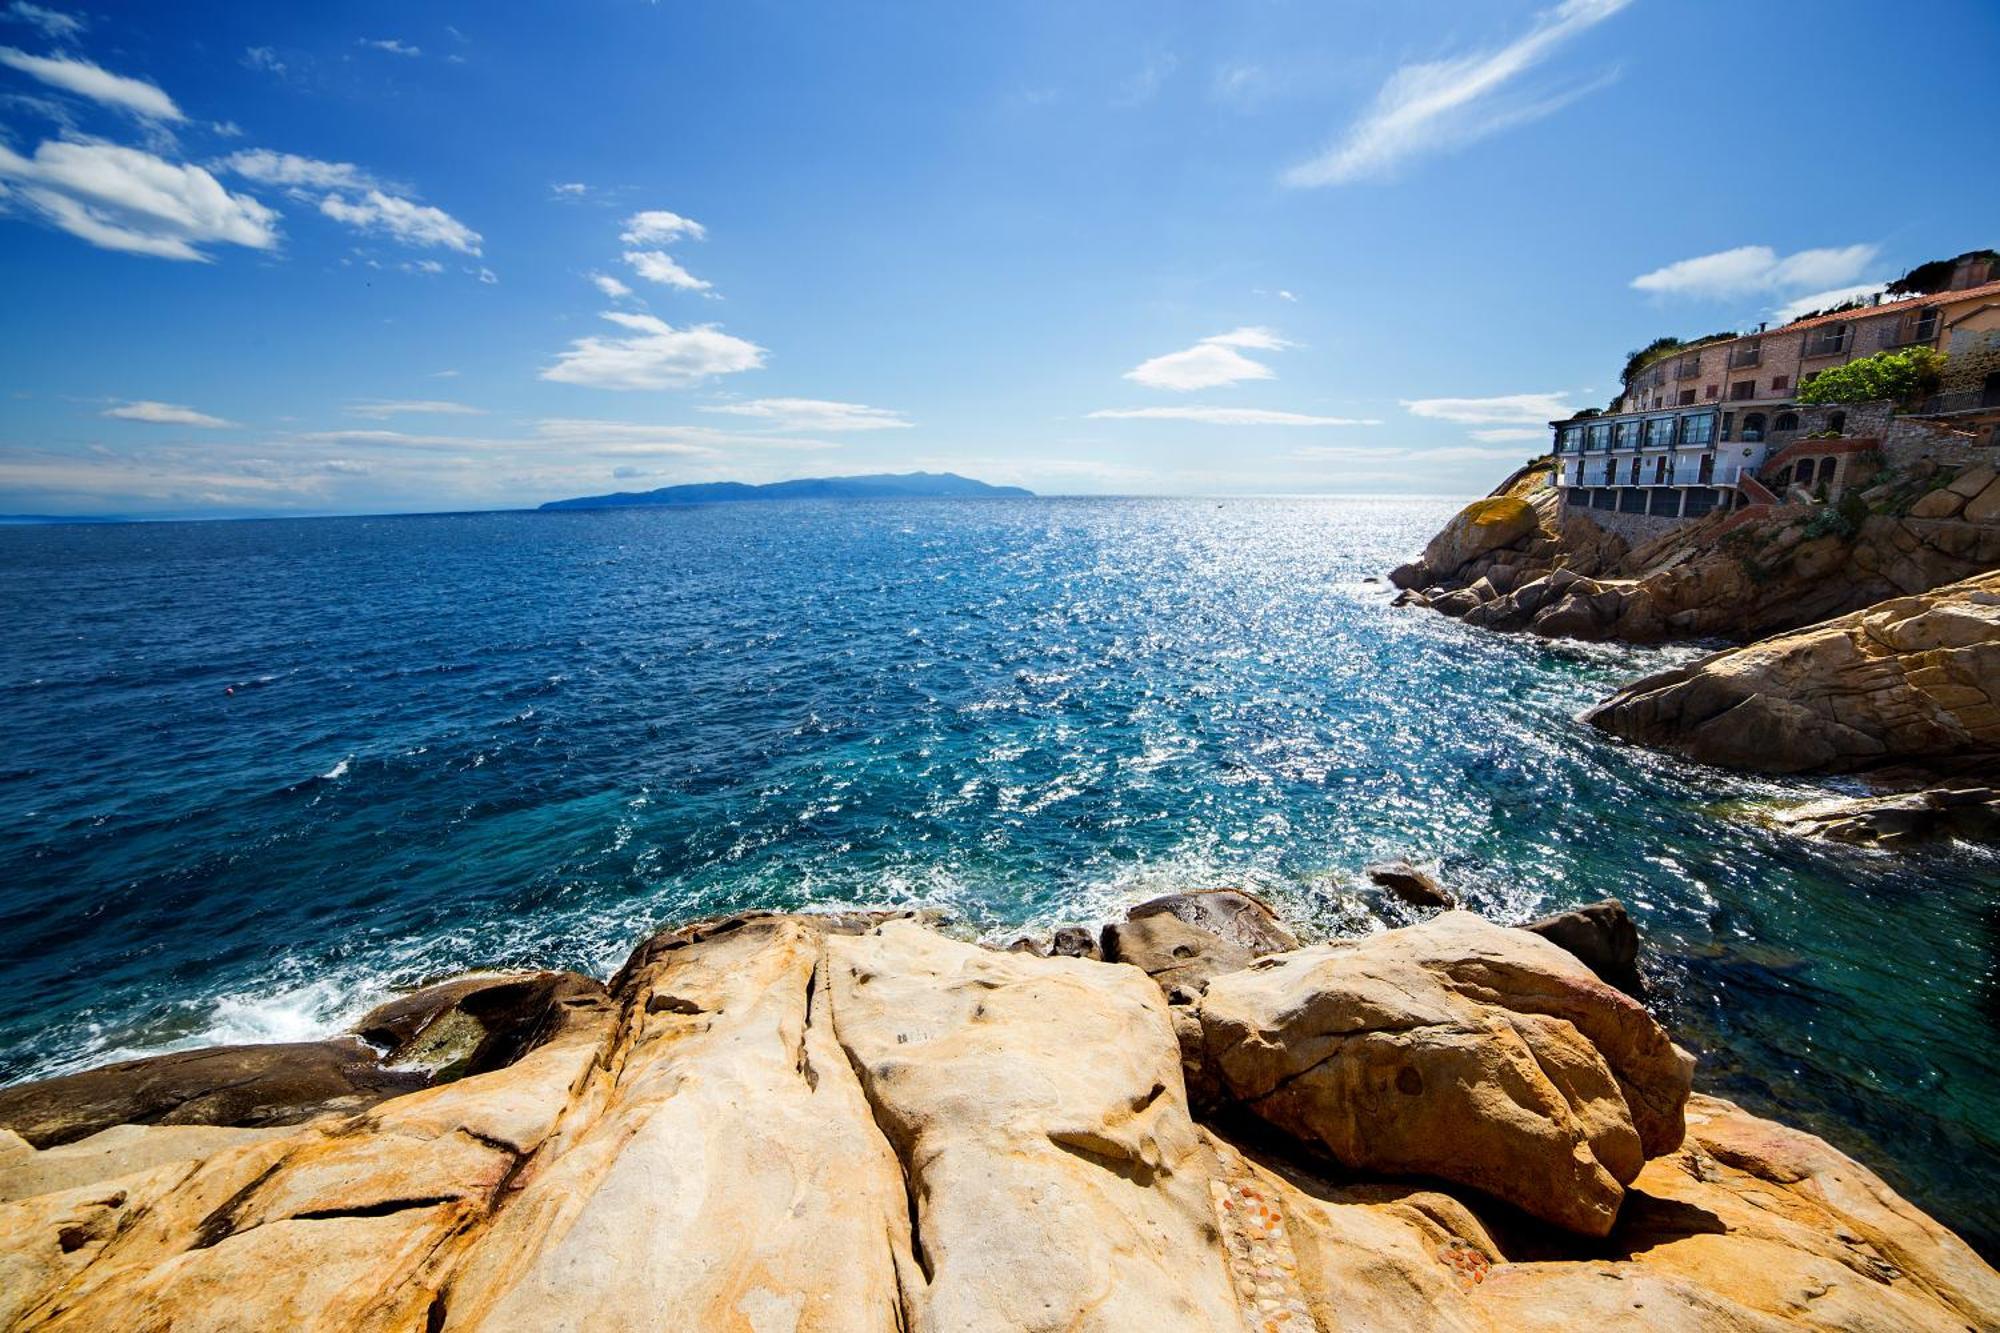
x=1742, y=391
x=1698, y=429
x=1600, y=437
x=1837, y=422
x=1572, y=439
x=1786, y=421
x=1728, y=425
x=1659, y=472
x=1753, y=427
x=1687, y=398
x=1626, y=433
x=1744, y=355
x=1780, y=383
x=1925, y=328
x=1713, y=392
x=1829, y=341
x=1610, y=473
x=1660, y=433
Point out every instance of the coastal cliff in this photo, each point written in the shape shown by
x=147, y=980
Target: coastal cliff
x=1551, y=570
x=860, y=1121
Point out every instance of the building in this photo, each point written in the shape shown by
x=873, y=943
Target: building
x=1717, y=424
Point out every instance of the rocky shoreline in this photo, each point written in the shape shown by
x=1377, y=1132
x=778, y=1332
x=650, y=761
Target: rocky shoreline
x=1870, y=633
x=864, y=1121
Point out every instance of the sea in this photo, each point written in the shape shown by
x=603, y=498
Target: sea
x=255, y=775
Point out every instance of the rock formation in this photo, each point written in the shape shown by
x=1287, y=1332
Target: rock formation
x=1968, y=809
x=857, y=1122
x=1730, y=575
x=1912, y=680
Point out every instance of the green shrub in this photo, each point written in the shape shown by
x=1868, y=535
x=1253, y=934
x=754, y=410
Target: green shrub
x=1895, y=375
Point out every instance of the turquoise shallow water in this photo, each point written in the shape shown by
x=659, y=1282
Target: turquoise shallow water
x=252, y=774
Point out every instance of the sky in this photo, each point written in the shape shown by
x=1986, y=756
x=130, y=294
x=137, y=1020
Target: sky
x=372, y=257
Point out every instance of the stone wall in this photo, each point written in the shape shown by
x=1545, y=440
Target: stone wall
x=1911, y=440
x=1636, y=529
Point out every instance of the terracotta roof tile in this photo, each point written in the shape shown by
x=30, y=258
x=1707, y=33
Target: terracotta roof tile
x=1888, y=307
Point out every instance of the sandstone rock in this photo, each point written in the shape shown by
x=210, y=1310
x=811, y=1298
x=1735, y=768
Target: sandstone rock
x=1457, y=1049
x=1055, y=1177
x=1455, y=603
x=280, y=1084
x=1984, y=507
x=1973, y=480
x=1241, y=918
x=1413, y=885
x=851, y=1122
x=1180, y=957
x=1601, y=935
x=1481, y=527
x=1913, y=679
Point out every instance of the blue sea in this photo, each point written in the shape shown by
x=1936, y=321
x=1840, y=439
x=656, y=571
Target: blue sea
x=254, y=774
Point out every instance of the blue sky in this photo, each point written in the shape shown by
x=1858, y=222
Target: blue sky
x=374, y=257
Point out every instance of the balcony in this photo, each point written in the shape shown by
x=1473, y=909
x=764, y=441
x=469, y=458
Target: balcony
x=1828, y=342
x=1964, y=400
x=1688, y=369
x=1910, y=332
x=1742, y=358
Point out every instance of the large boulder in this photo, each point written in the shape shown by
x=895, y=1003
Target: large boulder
x=1239, y=917
x=473, y=1024
x=1457, y=1049
x=1967, y=810
x=1912, y=680
x=1412, y=884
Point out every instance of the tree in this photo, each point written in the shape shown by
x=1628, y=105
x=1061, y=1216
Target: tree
x=1900, y=376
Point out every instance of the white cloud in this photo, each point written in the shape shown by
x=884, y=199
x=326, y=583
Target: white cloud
x=56, y=26
x=659, y=227
x=814, y=414
x=1497, y=434
x=300, y=173
x=1143, y=86
x=1225, y=416
x=422, y=266
x=569, y=190
x=410, y=223
x=264, y=58
x=1751, y=269
x=1445, y=104
x=638, y=438
x=75, y=75
x=380, y=408
x=165, y=414
x=1518, y=409
x=658, y=266
x=485, y=275
x=1210, y=362
x=125, y=199
x=656, y=356
x=1826, y=300
x=610, y=286
x=392, y=45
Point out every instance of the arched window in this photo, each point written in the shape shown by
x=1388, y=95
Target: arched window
x=1787, y=421
x=1837, y=422
x=1826, y=466
x=1753, y=427
x=1784, y=479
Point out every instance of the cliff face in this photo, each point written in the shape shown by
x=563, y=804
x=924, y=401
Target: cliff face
x=1729, y=576
x=780, y=1122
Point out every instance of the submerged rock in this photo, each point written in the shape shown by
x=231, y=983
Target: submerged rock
x=1602, y=936
x=853, y=1122
x=1413, y=885
x=1968, y=810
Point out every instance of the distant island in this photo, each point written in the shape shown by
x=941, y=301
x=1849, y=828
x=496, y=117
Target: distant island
x=881, y=486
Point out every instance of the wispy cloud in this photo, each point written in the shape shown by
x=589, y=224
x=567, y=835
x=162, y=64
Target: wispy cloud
x=54, y=25
x=1212, y=362
x=610, y=286
x=165, y=414
x=264, y=58
x=656, y=355
x=659, y=227
x=658, y=266
x=1440, y=105
x=1225, y=416
x=381, y=408
x=127, y=199
x=73, y=74
x=1516, y=409
x=625, y=438
x=301, y=174
x=404, y=220
x=392, y=45
x=1143, y=86
x=1750, y=270
x=814, y=414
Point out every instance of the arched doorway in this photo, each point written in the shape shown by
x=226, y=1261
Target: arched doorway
x=1753, y=427
x=1826, y=467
